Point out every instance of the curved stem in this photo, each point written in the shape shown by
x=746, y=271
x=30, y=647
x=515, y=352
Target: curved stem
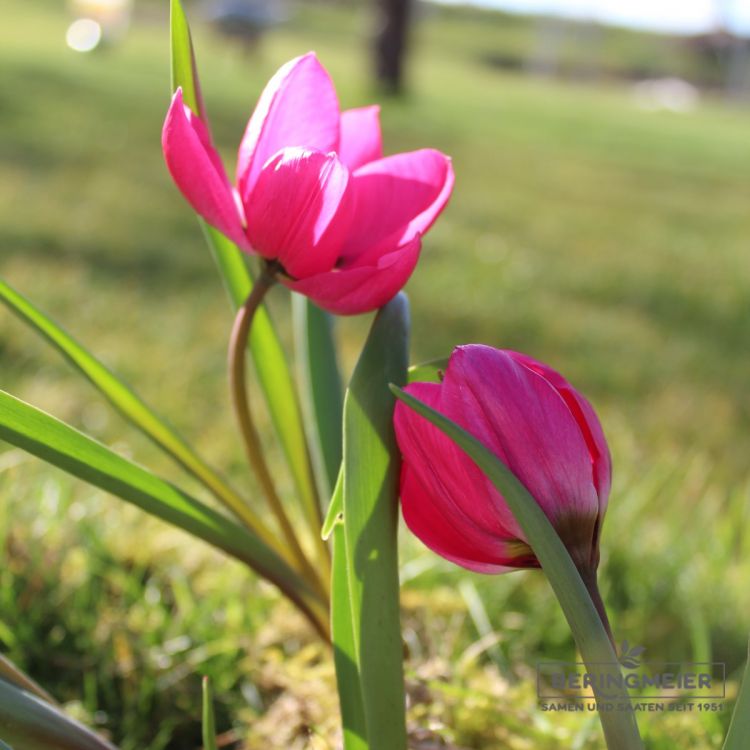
x=237, y=348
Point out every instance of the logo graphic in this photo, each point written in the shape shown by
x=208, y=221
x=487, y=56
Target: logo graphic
x=629, y=656
x=630, y=683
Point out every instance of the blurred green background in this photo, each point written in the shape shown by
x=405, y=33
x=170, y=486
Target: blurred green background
x=604, y=238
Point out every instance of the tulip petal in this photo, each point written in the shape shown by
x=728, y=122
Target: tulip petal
x=298, y=107
x=446, y=537
x=518, y=415
x=361, y=140
x=354, y=290
x=458, y=486
x=300, y=213
x=396, y=198
x=196, y=168
x=587, y=420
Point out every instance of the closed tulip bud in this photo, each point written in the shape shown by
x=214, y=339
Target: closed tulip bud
x=539, y=426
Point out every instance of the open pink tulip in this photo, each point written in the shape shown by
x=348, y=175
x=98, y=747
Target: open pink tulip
x=314, y=195
x=544, y=431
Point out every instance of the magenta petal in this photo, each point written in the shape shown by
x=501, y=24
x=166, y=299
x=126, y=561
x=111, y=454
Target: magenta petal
x=300, y=213
x=518, y=415
x=444, y=535
x=298, y=107
x=350, y=291
x=445, y=497
x=196, y=168
x=360, y=136
x=448, y=475
x=586, y=419
x=397, y=198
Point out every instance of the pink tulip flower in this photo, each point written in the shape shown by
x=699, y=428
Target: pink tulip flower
x=542, y=429
x=314, y=195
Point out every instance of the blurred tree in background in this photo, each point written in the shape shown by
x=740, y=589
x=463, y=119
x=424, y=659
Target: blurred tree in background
x=393, y=19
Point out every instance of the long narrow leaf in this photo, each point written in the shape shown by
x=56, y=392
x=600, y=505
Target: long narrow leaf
x=620, y=728
x=738, y=736
x=344, y=650
x=371, y=466
x=63, y=446
x=209, y=723
x=132, y=407
x=265, y=346
x=29, y=723
x=182, y=60
x=320, y=386
x=335, y=513
x=11, y=673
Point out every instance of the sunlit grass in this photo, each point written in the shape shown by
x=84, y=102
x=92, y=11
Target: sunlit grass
x=606, y=240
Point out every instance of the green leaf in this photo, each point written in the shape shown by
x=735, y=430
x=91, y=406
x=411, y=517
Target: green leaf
x=28, y=723
x=183, y=70
x=321, y=387
x=268, y=355
x=11, y=673
x=344, y=650
x=739, y=730
x=335, y=514
x=371, y=468
x=63, y=446
x=133, y=408
x=620, y=728
x=209, y=723
x=428, y=372
x=235, y=274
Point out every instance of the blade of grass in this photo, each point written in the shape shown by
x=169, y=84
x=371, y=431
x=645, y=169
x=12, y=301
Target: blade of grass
x=136, y=411
x=738, y=735
x=63, y=446
x=183, y=70
x=268, y=355
x=371, y=467
x=29, y=723
x=620, y=728
x=321, y=388
x=209, y=723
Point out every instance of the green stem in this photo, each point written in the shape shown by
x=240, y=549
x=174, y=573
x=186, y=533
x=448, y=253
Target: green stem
x=592, y=586
x=238, y=389
x=620, y=727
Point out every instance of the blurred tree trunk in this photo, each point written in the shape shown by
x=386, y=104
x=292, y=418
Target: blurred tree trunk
x=391, y=37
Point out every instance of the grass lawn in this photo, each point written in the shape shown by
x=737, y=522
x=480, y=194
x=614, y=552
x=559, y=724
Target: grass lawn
x=608, y=241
